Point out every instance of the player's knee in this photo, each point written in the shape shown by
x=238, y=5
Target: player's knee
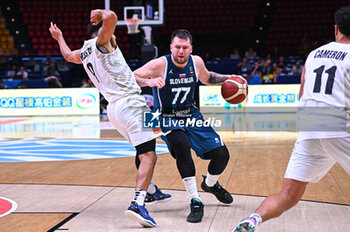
x=219, y=154
x=149, y=156
x=145, y=151
x=292, y=191
x=179, y=142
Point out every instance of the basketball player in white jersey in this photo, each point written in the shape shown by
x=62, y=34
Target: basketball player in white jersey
x=324, y=102
x=108, y=70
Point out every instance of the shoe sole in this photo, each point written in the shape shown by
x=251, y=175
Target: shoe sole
x=136, y=217
x=219, y=199
x=194, y=221
x=158, y=201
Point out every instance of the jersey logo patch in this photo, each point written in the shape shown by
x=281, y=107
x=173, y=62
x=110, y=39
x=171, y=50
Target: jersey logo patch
x=183, y=75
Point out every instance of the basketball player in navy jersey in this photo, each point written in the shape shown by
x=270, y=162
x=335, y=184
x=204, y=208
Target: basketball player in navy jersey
x=324, y=97
x=106, y=67
x=181, y=72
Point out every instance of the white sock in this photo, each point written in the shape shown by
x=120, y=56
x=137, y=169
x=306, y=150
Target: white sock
x=211, y=180
x=151, y=188
x=257, y=218
x=191, y=187
x=139, y=196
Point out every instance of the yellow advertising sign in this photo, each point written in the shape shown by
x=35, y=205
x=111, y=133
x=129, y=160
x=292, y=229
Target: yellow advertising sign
x=60, y=101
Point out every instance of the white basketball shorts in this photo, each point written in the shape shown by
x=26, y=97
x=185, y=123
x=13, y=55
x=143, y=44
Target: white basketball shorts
x=311, y=159
x=126, y=115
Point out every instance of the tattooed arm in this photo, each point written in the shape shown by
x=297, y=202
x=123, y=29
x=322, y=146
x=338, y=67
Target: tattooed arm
x=217, y=78
x=210, y=78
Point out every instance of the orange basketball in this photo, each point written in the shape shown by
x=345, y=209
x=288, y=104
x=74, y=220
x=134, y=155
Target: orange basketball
x=234, y=90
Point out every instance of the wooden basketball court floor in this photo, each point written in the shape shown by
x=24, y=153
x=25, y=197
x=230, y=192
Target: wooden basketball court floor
x=92, y=194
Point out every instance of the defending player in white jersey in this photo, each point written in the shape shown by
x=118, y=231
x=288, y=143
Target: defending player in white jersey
x=108, y=70
x=324, y=136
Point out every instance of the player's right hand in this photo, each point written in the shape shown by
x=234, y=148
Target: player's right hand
x=156, y=82
x=56, y=33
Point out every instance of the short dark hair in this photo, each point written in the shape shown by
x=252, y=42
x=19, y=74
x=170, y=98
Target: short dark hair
x=182, y=34
x=92, y=29
x=342, y=20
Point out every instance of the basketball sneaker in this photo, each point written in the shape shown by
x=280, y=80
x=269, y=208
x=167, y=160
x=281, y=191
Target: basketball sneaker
x=219, y=192
x=197, y=209
x=246, y=225
x=158, y=196
x=140, y=214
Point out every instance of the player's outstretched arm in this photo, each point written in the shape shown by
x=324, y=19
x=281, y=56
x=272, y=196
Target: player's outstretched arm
x=210, y=78
x=67, y=53
x=151, y=74
x=109, y=19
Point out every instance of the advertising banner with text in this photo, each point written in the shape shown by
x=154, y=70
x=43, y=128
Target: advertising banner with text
x=60, y=101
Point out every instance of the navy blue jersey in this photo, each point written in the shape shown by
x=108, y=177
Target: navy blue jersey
x=179, y=90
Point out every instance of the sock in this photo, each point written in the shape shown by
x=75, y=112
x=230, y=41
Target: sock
x=151, y=188
x=257, y=218
x=191, y=187
x=139, y=196
x=211, y=180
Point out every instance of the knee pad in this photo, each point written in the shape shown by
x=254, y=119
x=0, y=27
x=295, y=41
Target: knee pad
x=219, y=158
x=142, y=149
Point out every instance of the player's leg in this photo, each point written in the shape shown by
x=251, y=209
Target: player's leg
x=219, y=158
x=148, y=158
x=308, y=163
x=180, y=148
x=208, y=145
x=274, y=205
x=126, y=115
x=154, y=194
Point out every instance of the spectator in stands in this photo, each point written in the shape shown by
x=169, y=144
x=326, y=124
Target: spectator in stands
x=297, y=68
x=52, y=70
x=282, y=66
x=53, y=82
x=22, y=73
x=235, y=55
x=250, y=54
x=46, y=63
x=245, y=68
x=11, y=71
x=267, y=72
x=33, y=66
x=276, y=68
x=63, y=66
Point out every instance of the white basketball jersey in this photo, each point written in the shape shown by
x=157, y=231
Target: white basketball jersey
x=109, y=72
x=326, y=93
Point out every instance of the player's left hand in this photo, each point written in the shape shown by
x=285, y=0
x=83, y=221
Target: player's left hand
x=96, y=16
x=56, y=33
x=157, y=82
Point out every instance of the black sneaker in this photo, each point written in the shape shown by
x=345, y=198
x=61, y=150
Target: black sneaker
x=219, y=192
x=197, y=209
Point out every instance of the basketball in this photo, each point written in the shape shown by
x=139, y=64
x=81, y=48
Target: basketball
x=234, y=90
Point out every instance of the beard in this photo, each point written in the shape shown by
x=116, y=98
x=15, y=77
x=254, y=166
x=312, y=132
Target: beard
x=182, y=61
